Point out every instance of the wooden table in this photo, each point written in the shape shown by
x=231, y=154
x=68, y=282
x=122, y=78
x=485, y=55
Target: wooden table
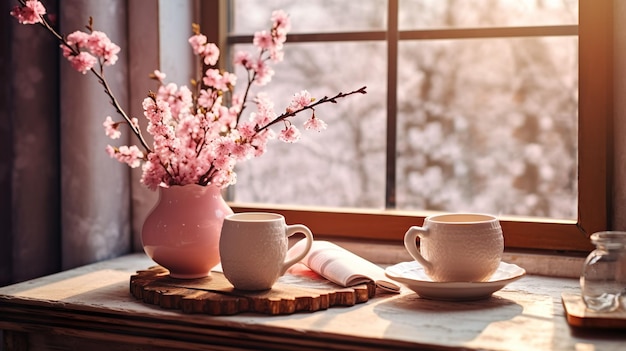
x=90, y=308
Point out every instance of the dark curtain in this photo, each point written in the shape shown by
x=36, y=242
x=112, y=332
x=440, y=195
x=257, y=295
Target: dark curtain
x=63, y=201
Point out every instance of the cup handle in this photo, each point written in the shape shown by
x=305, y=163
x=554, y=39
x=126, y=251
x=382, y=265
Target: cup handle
x=411, y=245
x=291, y=230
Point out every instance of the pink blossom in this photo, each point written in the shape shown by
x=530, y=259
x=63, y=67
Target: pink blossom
x=197, y=43
x=222, y=178
x=156, y=111
x=78, y=38
x=277, y=55
x=111, y=128
x=110, y=54
x=263, y=40
x=280, y=37
x=315, y=123
x=290, y=134
x=96, y=41
x=99, y=44
x=159, y=130
x=179, y=99
x=154, y=173
x=134, y=122
x=82, y=62
x=265, y=110
x=224, y=146
x=260, y=140
x=209, y=51
x=129, y=155
x=224, y=163
x=150, y=110
x=206, y=99
x=262, y=118
x=242, y=151
x=282, y=23
x=211, y=54
x=213, y=78
x=166, y=91
x=264, y=73
x=247, y=130
x=260, y=150
x=243, y=58
x=160, y=76
x=188, y=130
x=229, y=79
x=30, y=13
x=227, y=116
x=299, y=101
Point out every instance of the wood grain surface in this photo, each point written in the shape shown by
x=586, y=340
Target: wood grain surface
x=579, y=316
x=300, y=290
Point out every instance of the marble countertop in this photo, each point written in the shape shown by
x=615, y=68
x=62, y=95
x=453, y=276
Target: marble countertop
x=525, y=315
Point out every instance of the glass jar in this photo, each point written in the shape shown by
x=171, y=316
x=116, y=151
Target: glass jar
x=603, y=279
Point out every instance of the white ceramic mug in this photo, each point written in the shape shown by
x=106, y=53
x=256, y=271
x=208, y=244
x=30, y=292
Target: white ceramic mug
x=253, y=248
x=463, y=247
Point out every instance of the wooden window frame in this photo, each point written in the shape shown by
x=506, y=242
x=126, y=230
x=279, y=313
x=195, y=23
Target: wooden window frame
x=595, y=33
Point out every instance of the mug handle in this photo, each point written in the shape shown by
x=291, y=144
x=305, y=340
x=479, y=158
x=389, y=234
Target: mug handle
x=291, y=230
x=411, y=245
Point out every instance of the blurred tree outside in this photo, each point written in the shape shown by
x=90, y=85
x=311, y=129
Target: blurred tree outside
x=483, y=125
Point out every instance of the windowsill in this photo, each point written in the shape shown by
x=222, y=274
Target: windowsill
x=535, y=263
x=91, y=306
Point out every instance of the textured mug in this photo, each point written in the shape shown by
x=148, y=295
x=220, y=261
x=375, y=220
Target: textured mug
x=463, y=247
x=253, y=248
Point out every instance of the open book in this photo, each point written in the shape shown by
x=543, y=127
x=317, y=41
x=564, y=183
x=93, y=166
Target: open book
x=341, y=266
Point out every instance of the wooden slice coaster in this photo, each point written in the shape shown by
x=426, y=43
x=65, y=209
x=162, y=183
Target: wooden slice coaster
x=300, y=290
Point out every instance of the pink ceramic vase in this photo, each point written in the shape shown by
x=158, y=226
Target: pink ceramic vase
x=182, y=231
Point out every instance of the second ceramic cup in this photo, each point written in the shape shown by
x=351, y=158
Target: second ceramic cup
x=253, y=248
x=463, y=247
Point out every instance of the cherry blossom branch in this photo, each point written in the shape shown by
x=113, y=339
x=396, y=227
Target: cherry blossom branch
x=251, y=77
x=312, y=106
x=244, y=100
x=198, y=139
x=99, y=76
x=133, y=127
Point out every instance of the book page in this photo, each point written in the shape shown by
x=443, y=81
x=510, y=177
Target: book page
x=341, y=266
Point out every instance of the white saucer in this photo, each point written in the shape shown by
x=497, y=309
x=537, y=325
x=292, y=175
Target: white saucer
x=413, y=276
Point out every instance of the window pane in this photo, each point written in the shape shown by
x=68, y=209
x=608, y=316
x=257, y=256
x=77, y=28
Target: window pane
x=312, y=15
x=489, y=126
x=343, y=165
x=429, y=14
x=485, y=125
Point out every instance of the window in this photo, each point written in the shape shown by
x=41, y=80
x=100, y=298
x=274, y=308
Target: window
x=383, y=212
